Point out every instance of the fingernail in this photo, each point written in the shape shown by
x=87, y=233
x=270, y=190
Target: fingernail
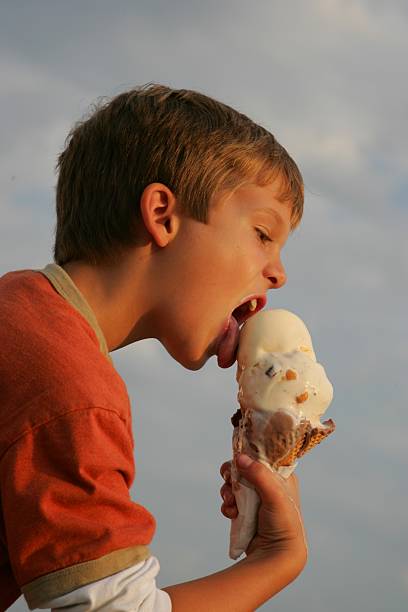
x=243, y=461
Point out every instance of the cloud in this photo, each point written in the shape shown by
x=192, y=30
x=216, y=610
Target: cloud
x=328, y=78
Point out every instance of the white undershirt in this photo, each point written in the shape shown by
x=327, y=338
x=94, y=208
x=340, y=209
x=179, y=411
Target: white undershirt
x=131, y=590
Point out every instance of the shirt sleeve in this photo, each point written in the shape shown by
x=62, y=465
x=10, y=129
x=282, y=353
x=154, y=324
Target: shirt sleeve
x=131, y=590
x=69, y=519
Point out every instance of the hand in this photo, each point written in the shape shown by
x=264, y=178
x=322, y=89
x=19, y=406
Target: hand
x=280, y=526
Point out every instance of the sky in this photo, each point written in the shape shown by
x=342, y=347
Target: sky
x=328, y=78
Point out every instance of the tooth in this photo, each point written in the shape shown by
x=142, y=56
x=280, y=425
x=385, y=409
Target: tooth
x=253, y=304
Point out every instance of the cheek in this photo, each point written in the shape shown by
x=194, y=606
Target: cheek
x=249, y=258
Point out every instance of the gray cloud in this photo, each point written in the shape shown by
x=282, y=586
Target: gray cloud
x=328, y=78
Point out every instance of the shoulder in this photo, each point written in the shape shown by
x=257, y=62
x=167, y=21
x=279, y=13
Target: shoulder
x=50, y=361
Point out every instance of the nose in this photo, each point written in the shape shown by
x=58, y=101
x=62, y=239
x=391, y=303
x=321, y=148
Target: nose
x=275, y=273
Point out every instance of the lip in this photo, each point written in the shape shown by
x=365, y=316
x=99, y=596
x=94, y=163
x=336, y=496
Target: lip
x=261, y=303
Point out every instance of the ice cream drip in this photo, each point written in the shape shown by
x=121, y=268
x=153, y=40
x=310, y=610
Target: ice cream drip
x=283, y=393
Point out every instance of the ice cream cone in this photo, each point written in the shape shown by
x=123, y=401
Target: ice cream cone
x=306, y=437
x=283, y=392
x=311, y=438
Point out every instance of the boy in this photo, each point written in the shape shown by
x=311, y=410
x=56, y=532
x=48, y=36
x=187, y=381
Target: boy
x=172, y=210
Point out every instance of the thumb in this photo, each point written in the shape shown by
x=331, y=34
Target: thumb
x=268, y=484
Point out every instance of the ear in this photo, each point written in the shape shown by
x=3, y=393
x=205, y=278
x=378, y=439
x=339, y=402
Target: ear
x=158, y=210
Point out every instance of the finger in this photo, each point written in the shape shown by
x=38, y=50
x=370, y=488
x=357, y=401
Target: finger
x=227, y=494
x=230, y=512
x=225, y=471
x=268, y=484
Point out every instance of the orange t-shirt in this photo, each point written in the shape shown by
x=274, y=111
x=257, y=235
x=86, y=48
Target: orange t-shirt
x=66, y=447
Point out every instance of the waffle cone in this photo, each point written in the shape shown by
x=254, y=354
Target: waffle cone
x=311, y=437
x=278, y=445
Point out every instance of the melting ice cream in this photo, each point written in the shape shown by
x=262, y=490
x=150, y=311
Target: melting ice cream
x=283, y=393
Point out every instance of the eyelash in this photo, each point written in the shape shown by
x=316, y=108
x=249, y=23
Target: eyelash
x=262, y=236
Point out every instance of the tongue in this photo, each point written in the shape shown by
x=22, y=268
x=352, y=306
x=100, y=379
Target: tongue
x=228, y=345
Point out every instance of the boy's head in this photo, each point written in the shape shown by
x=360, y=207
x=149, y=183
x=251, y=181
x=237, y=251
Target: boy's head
x=196, y=146
x=181, y=205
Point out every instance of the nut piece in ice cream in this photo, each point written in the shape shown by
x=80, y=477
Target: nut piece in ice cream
x=272, y=331
x=283, y=393
x=283, y=390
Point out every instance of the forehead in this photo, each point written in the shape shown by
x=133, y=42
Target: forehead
x=252, y=199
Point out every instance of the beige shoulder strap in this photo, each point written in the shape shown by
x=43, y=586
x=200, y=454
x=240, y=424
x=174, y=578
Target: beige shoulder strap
x=63, y=283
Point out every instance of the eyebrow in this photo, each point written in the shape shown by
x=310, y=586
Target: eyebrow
x=272, y=212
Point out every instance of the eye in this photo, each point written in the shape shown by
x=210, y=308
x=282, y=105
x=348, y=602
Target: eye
x=263, y=237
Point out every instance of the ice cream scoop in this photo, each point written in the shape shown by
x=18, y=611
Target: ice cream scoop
x=272, y=331
x=283, y=393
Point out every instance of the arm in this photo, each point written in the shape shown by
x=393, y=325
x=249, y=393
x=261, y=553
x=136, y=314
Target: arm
x=240, y=588
x=275, y=557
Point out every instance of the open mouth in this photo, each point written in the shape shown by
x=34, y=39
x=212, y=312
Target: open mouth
x=228, y=344
x=247, y=308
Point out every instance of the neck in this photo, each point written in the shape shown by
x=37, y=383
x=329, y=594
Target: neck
x=119, y=295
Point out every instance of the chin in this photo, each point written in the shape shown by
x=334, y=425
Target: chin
x=192, y=364
x=188, y=360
